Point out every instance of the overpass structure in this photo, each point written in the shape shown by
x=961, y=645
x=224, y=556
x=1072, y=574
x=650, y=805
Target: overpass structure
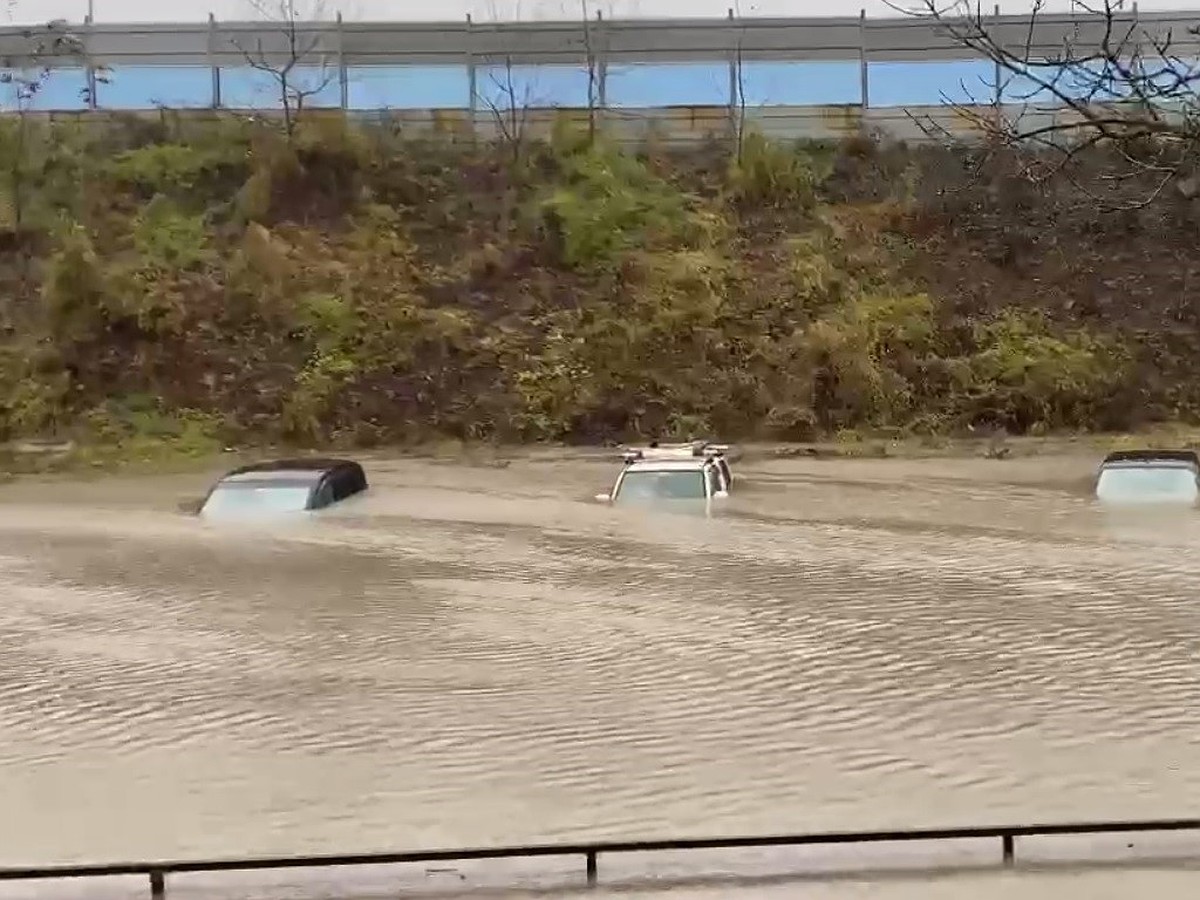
x=469, y=53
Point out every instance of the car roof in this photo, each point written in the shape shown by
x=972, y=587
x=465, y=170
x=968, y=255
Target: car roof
x=279, y=476
x=294, y=470
x=695, y=464
x=1152, y=457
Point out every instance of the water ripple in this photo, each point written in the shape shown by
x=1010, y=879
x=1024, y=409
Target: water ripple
x=453, y=664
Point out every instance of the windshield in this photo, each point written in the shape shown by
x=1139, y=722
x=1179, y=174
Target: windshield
x=256, y=499
x=1147, y=484
x=678, y=485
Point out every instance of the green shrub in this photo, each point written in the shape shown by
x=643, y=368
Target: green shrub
x=174, y=169
x=609, y=203
x=167, y=237
x=32, y=403
x=75, y=288
x=143, y=429
x=866, y=358
x=771, y=173
x=1027, y=376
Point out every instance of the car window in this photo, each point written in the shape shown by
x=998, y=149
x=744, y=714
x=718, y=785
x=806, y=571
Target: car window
x=350, y=480
x=236, y=499
x=326, y=493
x=339, y=485
x=687, y=484
x=1147, y=484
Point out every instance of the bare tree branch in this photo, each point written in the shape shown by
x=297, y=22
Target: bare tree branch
x=592, y=70
x=1111, y=84
x=739, y=84
x=510, y=109
x=301, y=49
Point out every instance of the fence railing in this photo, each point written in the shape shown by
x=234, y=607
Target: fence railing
x=157, y=872
x=896, y=39
x=348, y=49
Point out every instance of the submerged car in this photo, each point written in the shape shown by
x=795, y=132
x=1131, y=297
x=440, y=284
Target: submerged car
x=719, y=453
x=283, y=486
x=697, y=472
x=1142, y=477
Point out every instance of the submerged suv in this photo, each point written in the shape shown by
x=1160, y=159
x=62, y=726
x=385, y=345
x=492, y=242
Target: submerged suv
x=696, y=472
x=1139, y=477
x=283, y=486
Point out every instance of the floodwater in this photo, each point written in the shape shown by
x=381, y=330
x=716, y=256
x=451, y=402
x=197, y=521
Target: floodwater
x=472, y=655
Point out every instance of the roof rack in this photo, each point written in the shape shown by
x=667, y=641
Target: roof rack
x=688, y=450
x=1183, y=456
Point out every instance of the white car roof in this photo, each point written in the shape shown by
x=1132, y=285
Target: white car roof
x=693, y=464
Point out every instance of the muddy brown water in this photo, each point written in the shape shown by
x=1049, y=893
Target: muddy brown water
x=474, y=655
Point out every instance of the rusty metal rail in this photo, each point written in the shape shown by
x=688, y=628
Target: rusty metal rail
x=157, y=872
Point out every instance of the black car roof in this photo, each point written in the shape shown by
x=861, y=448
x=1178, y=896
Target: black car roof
x=314, y=467
x=1188, y=457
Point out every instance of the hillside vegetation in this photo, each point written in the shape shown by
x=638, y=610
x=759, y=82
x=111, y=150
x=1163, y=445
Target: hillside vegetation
x=199, y=281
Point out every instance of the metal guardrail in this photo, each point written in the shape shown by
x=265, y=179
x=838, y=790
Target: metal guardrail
x=618, y=42
x=339, y=47
x=157, y=872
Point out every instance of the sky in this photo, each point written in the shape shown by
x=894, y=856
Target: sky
x=32, y=11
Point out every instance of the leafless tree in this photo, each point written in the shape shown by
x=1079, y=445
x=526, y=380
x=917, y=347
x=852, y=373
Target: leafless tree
x=1110, y=82
x=593, y=68
x=300, y=49
x=510, y=106
x=510, y=102
x=737, y=78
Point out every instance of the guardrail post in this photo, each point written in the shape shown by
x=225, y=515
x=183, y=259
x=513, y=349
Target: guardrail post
x=997, y=75
x=734, y=64
x=864, y=68
x=212, y=61
x=343, y=71
x=1139, y=70
x=591, y=868
x=472, y=75
x=1007, y=845
x=601, y=57
x=158, y=885
x=90, y=70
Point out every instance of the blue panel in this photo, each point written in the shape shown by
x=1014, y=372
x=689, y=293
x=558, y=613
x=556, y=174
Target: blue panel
x=531, y=86
x=245, y=88
x=62, y=89
x=684, y=84
x=687, y=84
x=800, y=84
x=147, y=87
x=1075, y=82
x=404, y=87
x=927, y=84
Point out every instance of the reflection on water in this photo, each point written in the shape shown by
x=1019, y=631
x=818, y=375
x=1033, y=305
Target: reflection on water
x=483, y=655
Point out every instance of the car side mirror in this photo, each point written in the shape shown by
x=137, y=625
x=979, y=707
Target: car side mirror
x=603, y=498
x=720, y=495
x=190, y=507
